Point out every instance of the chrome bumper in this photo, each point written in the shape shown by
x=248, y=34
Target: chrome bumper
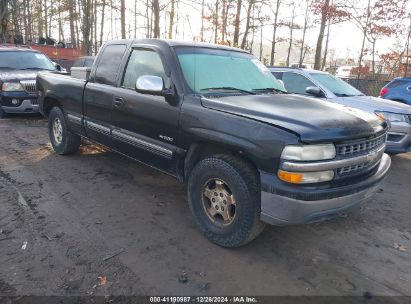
x=281, y=210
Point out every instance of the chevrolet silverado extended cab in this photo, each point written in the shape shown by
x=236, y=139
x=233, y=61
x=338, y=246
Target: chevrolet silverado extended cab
x=216, y=118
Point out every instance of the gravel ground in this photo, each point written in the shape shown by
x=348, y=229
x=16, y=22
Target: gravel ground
x=96, y=223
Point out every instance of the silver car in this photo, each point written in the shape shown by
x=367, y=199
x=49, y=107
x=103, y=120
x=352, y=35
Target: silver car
x=327, y=87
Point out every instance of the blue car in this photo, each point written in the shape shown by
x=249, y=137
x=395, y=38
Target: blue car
x=398, y=89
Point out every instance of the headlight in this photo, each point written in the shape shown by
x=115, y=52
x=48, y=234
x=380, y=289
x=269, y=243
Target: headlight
x=308, y=152
x=12, y=87
x=393, y=117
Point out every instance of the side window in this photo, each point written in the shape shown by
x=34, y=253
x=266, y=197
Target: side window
x=296, y=83
x=109, y=64
x=278, y=75
x=141, y=63
x=396, y=83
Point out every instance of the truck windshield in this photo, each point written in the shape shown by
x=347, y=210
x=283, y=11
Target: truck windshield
x=222, y=71
x=337, y=86
x=24, y=61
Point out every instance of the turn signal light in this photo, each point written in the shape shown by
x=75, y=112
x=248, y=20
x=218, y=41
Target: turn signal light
x=305, y=177
x=290, y=177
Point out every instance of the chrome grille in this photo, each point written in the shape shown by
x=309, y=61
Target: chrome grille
x=34, y=102
x=358, y=148
x=361, y=146
x=349, y=169
x=29, y=85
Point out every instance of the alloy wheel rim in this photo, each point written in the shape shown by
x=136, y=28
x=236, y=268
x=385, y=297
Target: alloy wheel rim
x=57, y=131
x=219, y=202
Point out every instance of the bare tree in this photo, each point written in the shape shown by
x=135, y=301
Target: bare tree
x=156, y=16
x=4, y=19
x=123, y=18
x=273, y=42
x=324, y=13
x=291, y=26
x=247, y=23
x=237, y=23
x=202, y=21
x=87, y=25
x=103, y=8
x=306, y=20
x=171, y=20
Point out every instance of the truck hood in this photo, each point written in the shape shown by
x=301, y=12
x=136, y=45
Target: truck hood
x=313, y=120
x=372, y=104
x=17, y=75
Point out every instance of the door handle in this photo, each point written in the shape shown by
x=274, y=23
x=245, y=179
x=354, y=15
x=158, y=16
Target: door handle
x=118, y=101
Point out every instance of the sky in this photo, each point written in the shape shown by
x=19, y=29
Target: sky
x=345, y=38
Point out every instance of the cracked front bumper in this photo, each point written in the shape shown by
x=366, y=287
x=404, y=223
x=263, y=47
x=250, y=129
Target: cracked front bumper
x=287, y=207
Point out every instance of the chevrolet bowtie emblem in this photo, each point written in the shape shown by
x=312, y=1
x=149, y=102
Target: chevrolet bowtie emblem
x=371, y=156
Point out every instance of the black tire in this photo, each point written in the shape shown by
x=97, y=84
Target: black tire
x=243, y=182
x=3, y=114
x=69, y=142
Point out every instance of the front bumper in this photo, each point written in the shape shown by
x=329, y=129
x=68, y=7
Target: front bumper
x=399, y=138
x=28, y=103
x=26, y=106
x=287, y=207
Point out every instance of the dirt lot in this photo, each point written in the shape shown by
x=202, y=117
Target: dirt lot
x=64, y=219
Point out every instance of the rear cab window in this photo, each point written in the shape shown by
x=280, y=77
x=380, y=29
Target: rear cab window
x=109, y=64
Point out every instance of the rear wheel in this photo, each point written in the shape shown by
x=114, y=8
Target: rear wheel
x=224, y=197
x=63, y=141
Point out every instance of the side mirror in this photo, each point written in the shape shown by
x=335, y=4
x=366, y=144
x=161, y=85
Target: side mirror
x=57, y=66
x=315, y=91
x=154, y=85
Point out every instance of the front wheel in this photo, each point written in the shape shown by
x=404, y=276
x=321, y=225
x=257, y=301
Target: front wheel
x=224, y=197
x=63, y=141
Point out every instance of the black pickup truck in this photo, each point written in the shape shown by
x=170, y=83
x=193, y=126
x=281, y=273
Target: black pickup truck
x=216, y=118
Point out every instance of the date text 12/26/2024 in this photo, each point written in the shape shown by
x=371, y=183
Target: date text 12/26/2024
x=203, y=299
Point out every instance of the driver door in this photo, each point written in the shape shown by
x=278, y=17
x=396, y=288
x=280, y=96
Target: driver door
x=144, y=126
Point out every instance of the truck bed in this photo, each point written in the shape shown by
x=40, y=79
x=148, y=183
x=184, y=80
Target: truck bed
x=62, y=87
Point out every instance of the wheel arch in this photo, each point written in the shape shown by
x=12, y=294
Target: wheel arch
x=201, y=150
x=49, y=102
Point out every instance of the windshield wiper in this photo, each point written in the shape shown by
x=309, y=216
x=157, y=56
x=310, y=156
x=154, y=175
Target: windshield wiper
x=344, y=95
x=7, y=68
x=228, y=89
x=35, y=68
x=271, y=90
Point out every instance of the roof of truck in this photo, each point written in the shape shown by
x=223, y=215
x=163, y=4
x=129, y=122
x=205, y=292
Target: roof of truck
x=174, y=43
